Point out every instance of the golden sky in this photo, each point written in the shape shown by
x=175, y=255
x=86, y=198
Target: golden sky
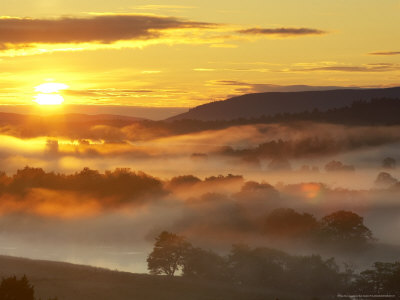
x=185, y=53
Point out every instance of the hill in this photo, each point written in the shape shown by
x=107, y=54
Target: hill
x=272, y=103
x=61, y=125
x=13, y=118
x=78, y=282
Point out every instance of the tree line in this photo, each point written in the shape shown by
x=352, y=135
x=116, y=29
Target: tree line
x=268, y=268
x=380, y=111
x=121, y=183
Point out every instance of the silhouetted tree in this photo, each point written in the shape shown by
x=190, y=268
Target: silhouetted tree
x=385, y=180
x=344, y=228
x=287, y=223
x=222, y=178
x=258, y=189
x=383, y=278
x=255, y=198
x=270, y=268
x=389, y=163
x=12, y=288
x=334, y=166
x=314, y=276
x=257, y=267
x=204, y=264
x=183, y=181
x=263, y=268
x=168, y=254
x=122, y=184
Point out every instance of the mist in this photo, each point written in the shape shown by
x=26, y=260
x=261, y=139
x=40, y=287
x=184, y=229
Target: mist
x=216, y=187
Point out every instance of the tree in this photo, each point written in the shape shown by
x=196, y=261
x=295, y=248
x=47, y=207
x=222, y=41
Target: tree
x=258, y=267
x=337, y=166
x=12, y=288
x=384, y=278
x=344, y=228
x=274, y=269
x=168, y=254
x=314, y=275
x=183, y=181
x=389, y=163
x=385, y=180
x=205, y=264
x=287, y=223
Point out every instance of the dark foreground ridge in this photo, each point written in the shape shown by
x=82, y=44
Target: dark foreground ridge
x=77, y=282
x=272, y=103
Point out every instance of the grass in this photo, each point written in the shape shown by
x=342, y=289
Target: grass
x=77, y=282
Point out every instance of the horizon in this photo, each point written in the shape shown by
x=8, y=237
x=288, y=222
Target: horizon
x=189, y=54
x=150, y=113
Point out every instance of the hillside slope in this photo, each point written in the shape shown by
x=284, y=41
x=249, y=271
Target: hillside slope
x=268, y=104
x=77, y=282
x=61, y=125
x=13, y=118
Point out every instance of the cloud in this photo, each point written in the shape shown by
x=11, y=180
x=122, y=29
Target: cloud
x=365, y=68
x=222, y=45
x=204, y=70
x=151, y=72
x=99, y=29
x=102, y=29
x=243, y=87
x=147, y=97
x=282, y=32
x=163, y=7
x=385, y=53
x=30, y=36
x=108, y=92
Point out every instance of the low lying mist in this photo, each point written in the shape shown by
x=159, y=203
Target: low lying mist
x=110, y=219
x=216, y=187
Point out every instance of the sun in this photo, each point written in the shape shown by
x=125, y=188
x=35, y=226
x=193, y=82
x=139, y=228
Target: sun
x=49, y=93
x=49, y=99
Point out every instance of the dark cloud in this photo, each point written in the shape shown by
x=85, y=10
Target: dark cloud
x=379, y=67
x=248, y=87
x=385, y=53
x=106, y=92
x=101, y=29
x=283, y=31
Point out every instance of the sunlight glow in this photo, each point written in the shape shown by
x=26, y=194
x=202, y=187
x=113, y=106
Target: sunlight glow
x=49, y=93
x=49, y=99
x=311, y=190
x=50, y=87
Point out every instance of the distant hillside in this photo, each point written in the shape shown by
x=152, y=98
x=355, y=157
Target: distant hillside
x=71, y=126
x=77, y=282
x=272, y=103
x=12, y=118
x=151, y=113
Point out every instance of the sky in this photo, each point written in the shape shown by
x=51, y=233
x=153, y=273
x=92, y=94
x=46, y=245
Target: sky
x=174, y=55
